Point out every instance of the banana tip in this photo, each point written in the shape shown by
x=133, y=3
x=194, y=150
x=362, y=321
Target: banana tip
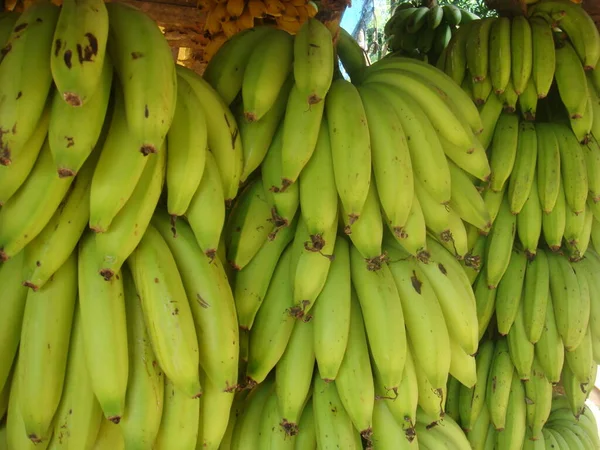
x=115, y=419
x=147, y=149
x=72, y=99
x=290, y=428
x=107, y=274
x=34, y=438
x=31, y=285
x=3, y=256
x=211, y=253
x=63, y=172
x=250, y=116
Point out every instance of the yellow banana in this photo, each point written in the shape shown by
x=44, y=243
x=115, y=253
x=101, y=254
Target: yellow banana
x=245, y=433
x=223, y=132
x=499, y=55
x=549, y=348
x=462, y=365
x=109, y=437
x=474, y=160
x=466, y=200
x=206, y=212
x=12, y=307
x=215, y=408
x=187, y=148
x=251, y=283
x=79, y=415
x=166, y=311
x=387, y=433
x=522, y=175
x=270, y=434
x=143, y=60
x=25, y=77
x=79, y=50
x=273, y=324
x=331, y=314
x=145, y=384
x=431, y=399
x=119, y=159
x=179, y=422
x=12, y=177
x=437, y=215
x=350, y=146
x=266, y=72
x=104, y=330
x=43, y=350
x=27, y=212
x=382, y=312
x=313, y=60
x=521, y=50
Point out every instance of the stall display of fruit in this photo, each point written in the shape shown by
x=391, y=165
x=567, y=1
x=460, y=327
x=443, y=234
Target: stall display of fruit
x=423, y=31
x=272, y=256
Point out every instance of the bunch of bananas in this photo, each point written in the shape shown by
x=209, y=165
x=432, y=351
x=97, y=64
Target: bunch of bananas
x=424, y=32
x=225, y=18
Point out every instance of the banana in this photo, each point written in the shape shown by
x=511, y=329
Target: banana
x=486, y=303
x=499, y=244
x=313, y=60
x=109, y=437
x=574, y=229
x=549, y=349
x=206, y=212
x=441, y=39
x=452, y=14
x=318, y=192
x=460, y=313
x=538, y=391
x=544, y=58
x=219, y=412
x=571, y=80
x=490, y=113
x=528, y=101
x=509, y=98
x=307, y=434
x=474, y=161
x=225, y=70
x=350, y=146
x=251, y=283
x=521, y=50
x=392, y=167
x=477, y=49
x=435, y=16
x=366, y=233
x=79, y=415
x=570, y=296
x=462, y=365
x=115, y=245
x=257, y=136
x=579, y=27
x=466, y=200
x=351, y=54
x=11, y=315
x=387, y=433
x=245, y=433
x=71, y=146
x=417, y=20
x=301, y=135
x=554, y=223
x=472, y=398
x=248, y=225
x=44, y=348
x=172, y=335
x=453, y=399
x=179, y=422
x=273, y=324
x=382, y=312
x=268, y=67
x=293, y=376
x=354, y=381
x=25, y=77
x=431, y=399
x=211, y=303
x=582, y=127
x=504, y=150
x=424, y=321
x=529, y=221
x=477, y=435
x=520, y=349
x=145, y=384
x=7, y=22
x=499, y=382
x=103, y=318
x=580, y=360
x=118, y=160
x=271, y=434
x=12, y=177
x=591, y=152
x=456, y=59
x=332, y=422
x=426, y=152
x=331, y=314
x=548, y=166
x=447, y=429
x=481, y=91
x=500, y=54
x=576, y=390
x=536, y=292
x=593, y=96
x=430, y=99
x=522, y=175
x=513, y=434
x=187, y=143
x=143, y=60
x=27, y=212
x=437, y=215
x=223, y=132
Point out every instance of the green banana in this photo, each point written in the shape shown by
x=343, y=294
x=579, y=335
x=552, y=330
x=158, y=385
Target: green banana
x=501, y=371
x=462, y=365
x=477, y=49
x=591, y=152
x=522, y=175
x=104, y=330
x=456, y=59
x=549, y=349
x=504, y=150
x=216, y=408
x=548, y=166
x=509, y=98
x=539, y=400
x=172, y=335
x=486, y=303
x=499, y=244
x=472, y=399
x=528, y=101
x=520, y=349
x=466, y=200
x=521, y=50
x=366, y=233
x=271, y=434
x=133, y=37
x=307, y=434
x=387, y=433
x=490, y=112
x=431, y=399
x=44, y=348
x=580, y=360
x=452, y=14
x=529, y=221
x=554, y=222
x=477, y=435
x=544, y=58
x=500, y=54
x=245, y=432
x=513, y=434
x=536, y=292
x=571, y=80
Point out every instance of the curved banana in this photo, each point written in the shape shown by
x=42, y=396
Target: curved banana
x=499, y=244
x=536, y=292
x=522, y=175
x=571, y=80
x=580, y=360
x=520, y=349
x=544, y=58
x=521, y=51
x=25, y=77
x=485, y=303
x=270, y=434
x=549, y=349
x=143, y=60
x=554, y=222
x=462, y=365
x=472, y=399
x=351, y=54
x=216, y=407
x=513, y=434
x=44, y=348
x=490, y=112
x=173, y=335
x=466, y=199
x=548, y=166
x=510, y=288
x=366, y=233
x=477, y=49
x=387, y=433
x=500, y=55
x=501, y=372
x=539, y=391
x=529, y=221
x=223, y=132
x=246, y=431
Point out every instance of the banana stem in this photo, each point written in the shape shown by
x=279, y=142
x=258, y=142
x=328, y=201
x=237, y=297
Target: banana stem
x=330, y=13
